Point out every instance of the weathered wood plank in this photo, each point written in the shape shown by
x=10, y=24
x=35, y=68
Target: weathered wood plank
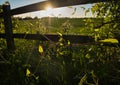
x=74, y=39
x=2, y=35
x=53, y=37
x=8, y=27
x=53, y=3
x=1, y=15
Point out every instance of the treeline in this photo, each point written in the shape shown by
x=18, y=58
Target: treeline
x=31, y=18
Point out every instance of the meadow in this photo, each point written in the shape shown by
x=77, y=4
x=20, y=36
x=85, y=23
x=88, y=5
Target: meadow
x=52, y=25
x=36, y=62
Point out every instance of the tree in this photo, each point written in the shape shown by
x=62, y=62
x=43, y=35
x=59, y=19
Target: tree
x=35, y=17
x=109, y=27
x=110, y=12
x=27, y=18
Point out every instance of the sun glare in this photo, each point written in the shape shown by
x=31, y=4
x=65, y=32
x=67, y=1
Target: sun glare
x=48, y=8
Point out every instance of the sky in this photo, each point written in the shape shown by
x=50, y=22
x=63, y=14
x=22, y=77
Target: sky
x=49, y=12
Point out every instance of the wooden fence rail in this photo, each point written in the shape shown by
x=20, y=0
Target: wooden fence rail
x=7, y=13
x=54, y=3
x=74, y=39
x=52, y=37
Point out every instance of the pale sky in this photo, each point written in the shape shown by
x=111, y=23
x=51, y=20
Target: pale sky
x=56, y=12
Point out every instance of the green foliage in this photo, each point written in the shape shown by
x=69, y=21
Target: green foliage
x=61, y=63
x=13, y=67
x=102, y=57
x=110, y=16
x=66, y=27
x=52, y=25
x=110, y=40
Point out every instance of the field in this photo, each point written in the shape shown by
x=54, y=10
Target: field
x=53, y=25
x=35, y=62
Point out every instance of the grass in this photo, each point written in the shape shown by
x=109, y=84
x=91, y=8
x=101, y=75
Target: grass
x=54, y=25
x=48, y=63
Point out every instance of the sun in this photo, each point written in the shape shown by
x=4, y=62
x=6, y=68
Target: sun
x=49, y=10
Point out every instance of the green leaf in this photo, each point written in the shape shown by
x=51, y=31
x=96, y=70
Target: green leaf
x=40, y=49
x=87, y=56
x=110, y=41
x=28, y=72
x=61, y=44
x=70, y=7
x=74, y=11
x=83, y=79
x=83, y=8
x=96, y=30
x=37, y=77
x=68, y=42
x=59, y=33
x=88, y=10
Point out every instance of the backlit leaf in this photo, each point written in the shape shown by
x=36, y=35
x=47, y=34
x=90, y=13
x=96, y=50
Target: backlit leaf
x=27, y=72
x=70, y=7
x=83, y=8
x=87, y=56
x=83, y=79
x=37, y=78
x=88, y=10
x=61, y=44
x=59, y=33
x=40, y=49
x=110, y=40
x=96, y=30
x=74, y=11
x=68, y=42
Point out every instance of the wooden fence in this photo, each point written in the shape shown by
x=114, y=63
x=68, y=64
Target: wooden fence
x=7, y=13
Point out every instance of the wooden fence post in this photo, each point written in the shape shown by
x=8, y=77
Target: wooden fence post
x=8, y=27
